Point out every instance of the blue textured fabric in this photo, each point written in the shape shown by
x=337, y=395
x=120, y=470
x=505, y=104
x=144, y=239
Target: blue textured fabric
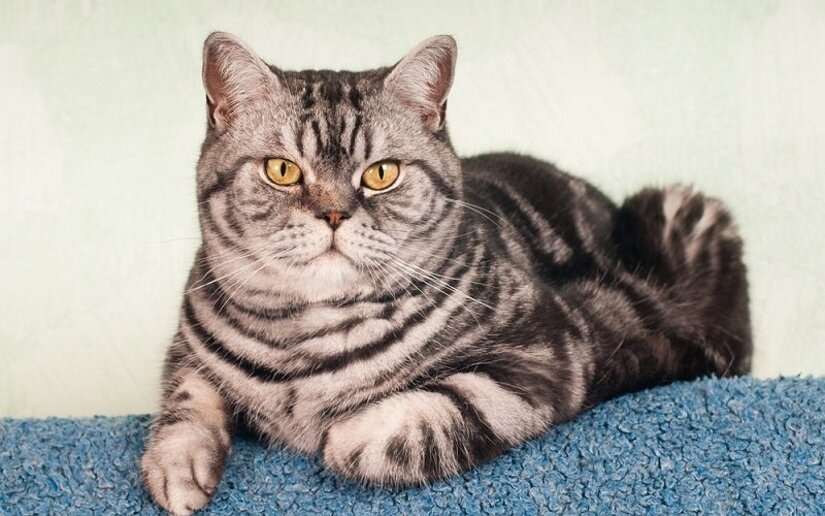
x=718, y=446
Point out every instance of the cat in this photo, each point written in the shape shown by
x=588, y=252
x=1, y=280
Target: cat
x=364, y=294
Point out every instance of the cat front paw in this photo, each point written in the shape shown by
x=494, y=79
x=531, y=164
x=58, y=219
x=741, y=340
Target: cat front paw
x=398, y=441
x=183, y=464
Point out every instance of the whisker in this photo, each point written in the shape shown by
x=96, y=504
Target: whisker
x=478, y=209
x=223, y=263
x=238, y=285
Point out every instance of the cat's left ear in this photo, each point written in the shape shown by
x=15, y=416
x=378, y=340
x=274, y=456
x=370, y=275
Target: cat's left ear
x=423, y=79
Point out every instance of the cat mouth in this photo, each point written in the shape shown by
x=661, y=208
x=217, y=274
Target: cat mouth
x=332, y=253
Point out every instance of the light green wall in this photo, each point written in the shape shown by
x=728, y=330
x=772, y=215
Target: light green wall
x=101, y=117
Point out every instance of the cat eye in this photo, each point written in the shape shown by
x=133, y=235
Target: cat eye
x=282, y=172
x=381, y=175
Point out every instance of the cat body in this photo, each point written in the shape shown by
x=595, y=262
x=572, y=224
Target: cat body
x=407, y=314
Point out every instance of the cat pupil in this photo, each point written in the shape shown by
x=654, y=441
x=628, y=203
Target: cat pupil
x=283, y=168
x=381, y=172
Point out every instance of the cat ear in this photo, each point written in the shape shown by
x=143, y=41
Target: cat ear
x=423, y=78
x=233, y=76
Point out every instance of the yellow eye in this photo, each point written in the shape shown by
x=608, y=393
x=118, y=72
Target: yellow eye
x=381, y=175
x=282, y=172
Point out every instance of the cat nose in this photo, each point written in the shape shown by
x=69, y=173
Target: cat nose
x=335, y=218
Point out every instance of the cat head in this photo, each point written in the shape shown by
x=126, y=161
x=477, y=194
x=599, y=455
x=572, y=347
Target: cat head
x=321, y=185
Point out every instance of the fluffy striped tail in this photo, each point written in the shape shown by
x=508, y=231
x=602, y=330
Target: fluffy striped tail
x=687, y=244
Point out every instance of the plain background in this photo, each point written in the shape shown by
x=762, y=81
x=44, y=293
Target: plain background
x=102, y=115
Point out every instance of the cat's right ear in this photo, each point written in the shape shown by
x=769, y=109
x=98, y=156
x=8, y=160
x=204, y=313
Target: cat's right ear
x=233, y=76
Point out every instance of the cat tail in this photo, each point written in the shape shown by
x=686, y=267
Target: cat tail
x=687, y=245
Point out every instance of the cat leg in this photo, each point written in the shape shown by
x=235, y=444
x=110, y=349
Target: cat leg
x=434, y=432
x=188, y=445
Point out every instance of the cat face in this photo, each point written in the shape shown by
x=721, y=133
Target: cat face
x=285, y=205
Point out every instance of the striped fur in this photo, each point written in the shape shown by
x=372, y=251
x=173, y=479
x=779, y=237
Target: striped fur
x=461, y=313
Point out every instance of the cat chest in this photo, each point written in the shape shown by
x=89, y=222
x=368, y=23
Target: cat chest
x=292, y=395
x=295, y=413
x=295, y=377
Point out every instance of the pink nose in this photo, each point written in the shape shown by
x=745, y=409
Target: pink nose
x=334, y=218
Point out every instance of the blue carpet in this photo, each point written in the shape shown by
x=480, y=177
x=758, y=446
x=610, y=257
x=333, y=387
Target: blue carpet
x=717, y=446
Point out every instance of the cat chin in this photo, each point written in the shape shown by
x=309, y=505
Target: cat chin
x=327, y=277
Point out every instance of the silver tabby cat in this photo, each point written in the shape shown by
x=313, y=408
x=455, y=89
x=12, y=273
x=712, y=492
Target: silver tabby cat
x=363, y=294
